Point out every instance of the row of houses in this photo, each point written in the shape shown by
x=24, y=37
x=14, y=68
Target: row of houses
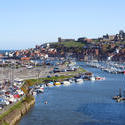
x=39, y=52
x=100, y=48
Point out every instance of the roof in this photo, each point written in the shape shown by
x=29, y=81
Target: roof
x=25, y=58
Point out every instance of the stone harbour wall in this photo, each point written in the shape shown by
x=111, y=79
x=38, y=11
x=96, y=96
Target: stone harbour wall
x=13, y=117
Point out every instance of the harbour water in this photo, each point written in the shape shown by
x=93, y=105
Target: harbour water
x=89, y=103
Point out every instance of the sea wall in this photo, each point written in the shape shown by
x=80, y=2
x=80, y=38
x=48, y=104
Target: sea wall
x=12, y=117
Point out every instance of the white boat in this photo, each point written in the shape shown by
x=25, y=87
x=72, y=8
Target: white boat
x=40, y=88
x=92, y=78
x=66, y=82
x=71, y=81
x=79, y=80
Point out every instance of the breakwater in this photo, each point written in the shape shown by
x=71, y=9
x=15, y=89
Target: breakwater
x=15, y=113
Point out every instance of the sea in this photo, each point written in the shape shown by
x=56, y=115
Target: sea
x=4, y=51
x=88, y=103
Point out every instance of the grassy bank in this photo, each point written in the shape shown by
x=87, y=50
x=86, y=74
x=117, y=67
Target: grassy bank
x=16, y=106
x=61, y=77
x=69, y=44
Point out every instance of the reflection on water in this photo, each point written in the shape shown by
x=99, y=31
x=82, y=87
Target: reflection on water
x=89, y=103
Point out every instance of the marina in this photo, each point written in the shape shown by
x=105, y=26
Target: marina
x=12, y=89
x=86, y=103
x=108, y=66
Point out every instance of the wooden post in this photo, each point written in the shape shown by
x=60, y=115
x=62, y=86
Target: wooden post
x=120, y=94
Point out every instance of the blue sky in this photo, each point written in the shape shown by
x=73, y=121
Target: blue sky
x=25, y=23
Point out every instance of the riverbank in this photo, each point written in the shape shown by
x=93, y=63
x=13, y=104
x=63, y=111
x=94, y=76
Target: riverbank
x=89, y=103
x=61, y=76
x=14, y=114
x=16, y=111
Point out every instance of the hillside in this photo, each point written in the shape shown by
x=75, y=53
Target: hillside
x=69, y=44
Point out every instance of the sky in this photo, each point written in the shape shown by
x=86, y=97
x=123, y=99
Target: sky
x=26, y=23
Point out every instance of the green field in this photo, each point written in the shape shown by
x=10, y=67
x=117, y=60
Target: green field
x=70, y=44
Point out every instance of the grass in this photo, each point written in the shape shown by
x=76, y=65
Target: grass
x=17, y=105
x=80, y=70
x=4, y=123
x=71, y=44
x=59, y=78
x=66, y=75
x=32, y=82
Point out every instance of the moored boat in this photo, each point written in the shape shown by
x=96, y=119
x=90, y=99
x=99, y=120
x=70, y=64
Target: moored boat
x=39, y=89
x=66, y=83
x=79, y=80
x=100, y=78
x=50, y=84
x=57, y=83
x=92, y=78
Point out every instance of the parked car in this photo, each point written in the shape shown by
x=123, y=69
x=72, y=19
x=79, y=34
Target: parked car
x=51, y=72
x=56, y=70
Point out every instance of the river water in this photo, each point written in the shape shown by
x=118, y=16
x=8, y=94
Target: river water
x=89, y=103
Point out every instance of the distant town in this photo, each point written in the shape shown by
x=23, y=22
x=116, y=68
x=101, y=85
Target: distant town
x=107, y=47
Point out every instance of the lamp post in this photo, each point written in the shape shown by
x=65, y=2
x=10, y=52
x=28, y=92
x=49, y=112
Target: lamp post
x=38, y=74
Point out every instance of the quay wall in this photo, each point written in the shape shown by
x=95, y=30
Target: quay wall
x=15, y=115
